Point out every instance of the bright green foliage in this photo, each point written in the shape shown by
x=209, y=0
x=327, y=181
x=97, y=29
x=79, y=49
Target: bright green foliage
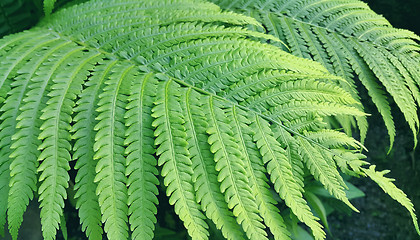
x=174, y=158
x=204, y=175
x=84, y=134
x=130, y=90
x=349, y=39
x=282, y=176
x=225, y=145
x=141, y=164
x=255, y=169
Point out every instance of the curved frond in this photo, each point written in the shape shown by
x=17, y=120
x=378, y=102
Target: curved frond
x=84, y=135
x=141, y=164
x=322, y=167
x=24, y=146
x=174, y=158
x=55, y=147
x=109, y=150
x=232, y=173
x=254, y=164
x=205, y=180
x=283, y=177
x=131, y=90
x=349, y=39
x=14, y=77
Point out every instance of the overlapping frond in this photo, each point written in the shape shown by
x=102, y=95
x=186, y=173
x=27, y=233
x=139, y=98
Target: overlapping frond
x=23, y=158
x=232, y=173
x=109, y=150
x=206, y=185
x=349, y=39
x=174, y=158
x=84, y=135
x=55, y=135
x=283, y=178
x=180, y=88
x=141, y=164
x=254, y=164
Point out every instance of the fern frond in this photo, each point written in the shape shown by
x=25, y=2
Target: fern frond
x=24, y=146
x=389, y=76
x=256, y=172
x=55, y=147
x=205, y=176
x=297, y=109
x=174, y=159
x=283, y=178
x=333, y=139
x=29, y=123
x=109, y=150
x=17, y=81
x=12, y=63
x=291, y=147
x=84, y=135
x=322, y=168
x=232, y=172
x=122, y=86
x=141, y=164
x=368, y=79
x=298, y=90
x=350, y=162
x=48, y=7
x=330, y=32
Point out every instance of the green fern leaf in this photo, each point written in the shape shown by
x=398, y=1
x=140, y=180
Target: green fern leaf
x=141, y=164
x=333, y=139
x=232, y=172
x=387, y=73
x=256, y=172
x=323, y=169
x=183, y=85
x=336, y=53
x=282, y=177
x=368, y=79
x=330, y=32
x=55, y=136
x=48, y=7
x=84, y=134
x=205, y=176
x=291, y=147
x=10, y=111
x=174, y=159
x=23, y=166
x=109, y=150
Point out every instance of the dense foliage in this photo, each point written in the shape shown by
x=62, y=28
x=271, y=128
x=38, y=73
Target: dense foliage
x=203, y=97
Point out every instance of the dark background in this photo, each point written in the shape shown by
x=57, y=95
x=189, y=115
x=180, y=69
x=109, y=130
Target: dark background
x=401, y=13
